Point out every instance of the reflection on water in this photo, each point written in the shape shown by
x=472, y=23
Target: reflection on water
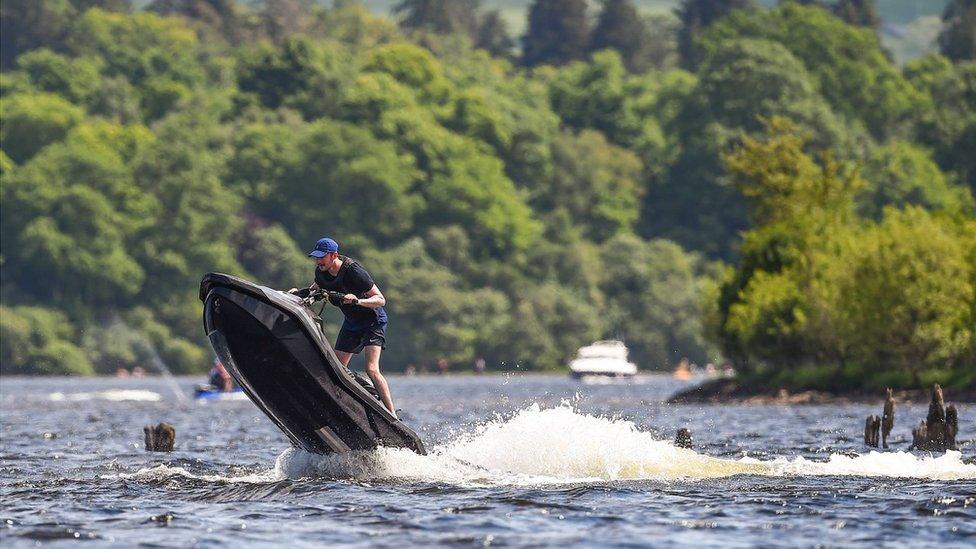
x=519, y=459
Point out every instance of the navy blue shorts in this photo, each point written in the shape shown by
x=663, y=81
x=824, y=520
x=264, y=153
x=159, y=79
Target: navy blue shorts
x=355, y=340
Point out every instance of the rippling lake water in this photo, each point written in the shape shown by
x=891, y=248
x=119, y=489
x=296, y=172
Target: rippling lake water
x=540, y=460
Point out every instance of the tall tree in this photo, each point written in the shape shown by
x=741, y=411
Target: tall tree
x=30, y=24
x=696, y=16
x=285, y=18
x=220, y=17
x=493, y=35
x=950, y=128
x=848, y=64
x=620, y=27
x=123, y=6
x=958, y=38
x=558, y=32
x=860, y=13
x=439, y=16
x=661, y=51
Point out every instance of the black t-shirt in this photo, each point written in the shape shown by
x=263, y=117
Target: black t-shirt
x=353, y=279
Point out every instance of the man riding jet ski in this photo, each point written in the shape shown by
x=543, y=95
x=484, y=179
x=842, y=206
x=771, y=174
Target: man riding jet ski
x=271, y=342
x=361, y=302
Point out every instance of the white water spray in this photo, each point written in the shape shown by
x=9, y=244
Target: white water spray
x=561, y=445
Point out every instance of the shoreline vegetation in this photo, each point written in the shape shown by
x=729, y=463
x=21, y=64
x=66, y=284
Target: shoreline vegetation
x=740, y=182
x=735, y=391
x=710, y=391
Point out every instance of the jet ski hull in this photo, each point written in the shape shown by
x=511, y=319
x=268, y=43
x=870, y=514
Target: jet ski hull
x=272, y=345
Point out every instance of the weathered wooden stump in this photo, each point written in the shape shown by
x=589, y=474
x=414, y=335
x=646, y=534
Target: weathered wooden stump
x=920, y=436
x=952, y=426
x=887, y=418
x=160, y=438
x=939, y=429
x=872, y=428
x=683, y=438
x=935, y=421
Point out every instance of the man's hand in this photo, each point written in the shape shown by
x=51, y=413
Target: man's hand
x=302, y=293
x=350, y=299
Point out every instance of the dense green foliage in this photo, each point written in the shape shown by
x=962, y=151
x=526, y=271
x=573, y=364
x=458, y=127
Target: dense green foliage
x=620, y=27
x=958, y=38
x=696, y=16
x=508, y=212
x=862, y=13
x=889, y=302
x=557, y=33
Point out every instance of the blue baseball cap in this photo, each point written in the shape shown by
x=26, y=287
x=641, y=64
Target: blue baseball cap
x=324, y=246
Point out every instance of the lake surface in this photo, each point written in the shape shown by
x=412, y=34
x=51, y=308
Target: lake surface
x=538, y=460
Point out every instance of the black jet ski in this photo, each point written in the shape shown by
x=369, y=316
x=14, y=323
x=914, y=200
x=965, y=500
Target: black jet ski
x=272, y=343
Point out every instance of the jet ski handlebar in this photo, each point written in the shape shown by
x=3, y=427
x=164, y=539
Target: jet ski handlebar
x=310, y=296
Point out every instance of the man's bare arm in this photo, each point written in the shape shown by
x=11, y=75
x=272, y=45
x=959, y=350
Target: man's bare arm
x=374, y=299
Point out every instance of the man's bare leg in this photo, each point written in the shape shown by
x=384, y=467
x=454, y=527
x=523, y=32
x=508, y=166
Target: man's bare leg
x=373, y=370
x=372, y=353
x=343, y=357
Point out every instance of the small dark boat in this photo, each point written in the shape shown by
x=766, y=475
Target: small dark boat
x=272, y=343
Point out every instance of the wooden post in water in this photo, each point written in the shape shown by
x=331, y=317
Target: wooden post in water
x=935, y=421
x=952, y=426
x=939, y=429
x=872, y=427
x=683, y=438
x=160, y=438
x=920, y=436
x=887, y=418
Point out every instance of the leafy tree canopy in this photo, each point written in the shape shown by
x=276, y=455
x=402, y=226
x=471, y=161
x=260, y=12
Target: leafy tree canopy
x=958, y=38
x=901, y=174
x=32, y=121
x=847, y=64
x=557, y=32
x=142, y=148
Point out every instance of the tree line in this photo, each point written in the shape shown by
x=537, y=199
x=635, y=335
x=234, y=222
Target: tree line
x=761, y=185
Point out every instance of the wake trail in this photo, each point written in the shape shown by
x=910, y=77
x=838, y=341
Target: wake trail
x=562, y=445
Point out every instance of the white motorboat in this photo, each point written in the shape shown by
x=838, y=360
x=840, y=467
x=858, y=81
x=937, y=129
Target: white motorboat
x=603, y=358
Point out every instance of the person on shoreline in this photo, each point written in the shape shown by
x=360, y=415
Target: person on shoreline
x=364, y=326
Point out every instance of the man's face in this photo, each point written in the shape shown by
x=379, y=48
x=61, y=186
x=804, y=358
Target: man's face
x=326, y=260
